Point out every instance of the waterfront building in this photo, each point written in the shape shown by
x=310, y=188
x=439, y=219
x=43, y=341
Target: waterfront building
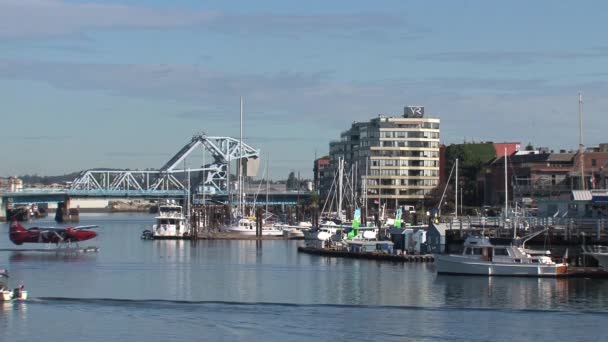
x=547, y=175
x=391, y=160
x=320, y=169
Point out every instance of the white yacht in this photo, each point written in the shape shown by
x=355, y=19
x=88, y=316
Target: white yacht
x=600, y=253
x=170, y=222
x=6, y=294
x=247, y=226
x=295, y=232
x=481, y=257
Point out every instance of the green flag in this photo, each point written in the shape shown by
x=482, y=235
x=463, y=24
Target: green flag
x=398, y=218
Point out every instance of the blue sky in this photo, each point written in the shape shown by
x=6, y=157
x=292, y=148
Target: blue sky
x=125, y=84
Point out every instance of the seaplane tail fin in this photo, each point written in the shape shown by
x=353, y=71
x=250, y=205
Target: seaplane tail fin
x=16, y=227
x=14, y=232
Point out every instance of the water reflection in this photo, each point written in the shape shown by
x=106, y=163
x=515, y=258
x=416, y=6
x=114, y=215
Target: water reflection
x=521, y=293
x=19, y=257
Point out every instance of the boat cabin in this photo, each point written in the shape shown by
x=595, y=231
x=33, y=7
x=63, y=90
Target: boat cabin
x=482, y=248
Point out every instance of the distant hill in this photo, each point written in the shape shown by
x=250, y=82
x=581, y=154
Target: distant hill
x=47, y=180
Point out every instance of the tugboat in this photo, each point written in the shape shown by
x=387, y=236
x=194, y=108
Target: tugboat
x=6, y=294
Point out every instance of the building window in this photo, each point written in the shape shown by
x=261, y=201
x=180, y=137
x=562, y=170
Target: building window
x=593, y=162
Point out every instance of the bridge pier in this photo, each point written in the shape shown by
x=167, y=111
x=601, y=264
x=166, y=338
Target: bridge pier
x=3, y=209
x=65, y=213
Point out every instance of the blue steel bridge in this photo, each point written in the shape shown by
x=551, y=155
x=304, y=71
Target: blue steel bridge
x=166, y=182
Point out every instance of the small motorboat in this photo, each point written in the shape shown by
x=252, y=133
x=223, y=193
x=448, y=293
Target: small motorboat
x=6, y=294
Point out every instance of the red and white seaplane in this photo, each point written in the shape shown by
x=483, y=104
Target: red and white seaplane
x=62, y=237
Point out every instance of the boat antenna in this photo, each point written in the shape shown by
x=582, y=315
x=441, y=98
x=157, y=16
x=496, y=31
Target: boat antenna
x=581, y=147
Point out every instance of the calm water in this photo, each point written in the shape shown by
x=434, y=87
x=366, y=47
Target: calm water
x=134, y=290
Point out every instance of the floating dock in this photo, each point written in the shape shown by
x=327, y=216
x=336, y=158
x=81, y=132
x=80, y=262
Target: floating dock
x=226, y=236
x=340, y=253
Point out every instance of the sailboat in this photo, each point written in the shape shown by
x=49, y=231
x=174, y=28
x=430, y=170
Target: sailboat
x=246, y=225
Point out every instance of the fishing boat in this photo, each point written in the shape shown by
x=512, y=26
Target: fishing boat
x=481, y=257
x=6, y=294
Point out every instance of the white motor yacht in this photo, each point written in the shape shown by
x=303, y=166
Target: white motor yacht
x=170, y=222
x=481, y=257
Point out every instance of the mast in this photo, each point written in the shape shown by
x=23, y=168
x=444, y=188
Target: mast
x=267, y=182
x=456, y=181
x=365, y=187
x=340, y=184
x=241, y=206
x=506, y=190
x=581, y=147
x=352, y=185
x=204, y=180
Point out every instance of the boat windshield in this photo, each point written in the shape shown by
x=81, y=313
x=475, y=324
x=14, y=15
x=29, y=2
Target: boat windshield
x=170, y=209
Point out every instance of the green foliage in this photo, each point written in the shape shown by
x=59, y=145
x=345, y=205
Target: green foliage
x=472, y=160
x=48, y=180
x=292, y=182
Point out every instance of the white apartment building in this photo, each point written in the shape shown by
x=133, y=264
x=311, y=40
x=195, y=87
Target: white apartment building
x=391, y=160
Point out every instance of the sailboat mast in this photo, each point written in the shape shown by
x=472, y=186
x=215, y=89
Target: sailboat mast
x=506, y=188
x=365, y=186
x=267, y=182
x=340, y=184
x=456, y=181
x=241, y=204
x=581, y=148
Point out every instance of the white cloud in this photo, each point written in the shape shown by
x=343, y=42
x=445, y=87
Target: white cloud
x=41, y=19
x=48, y=18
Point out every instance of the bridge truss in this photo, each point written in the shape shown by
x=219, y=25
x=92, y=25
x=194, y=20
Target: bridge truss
x=163, y=182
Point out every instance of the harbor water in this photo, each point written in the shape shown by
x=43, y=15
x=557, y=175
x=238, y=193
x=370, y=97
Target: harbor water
x=138, y=290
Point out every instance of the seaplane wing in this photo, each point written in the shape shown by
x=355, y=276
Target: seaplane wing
x=85, y=227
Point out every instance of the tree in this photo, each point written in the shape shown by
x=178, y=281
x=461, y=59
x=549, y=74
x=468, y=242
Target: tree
x=292, y=182
x=473, y=159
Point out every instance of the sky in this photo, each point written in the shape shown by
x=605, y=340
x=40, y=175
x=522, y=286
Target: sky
x=125, y=84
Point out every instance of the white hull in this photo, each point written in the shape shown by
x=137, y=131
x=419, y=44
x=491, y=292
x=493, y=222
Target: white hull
x=247, y=231
x=602, y=259
x=7, y=295
x=455, y=264
x=167, y=230
x=292, y=233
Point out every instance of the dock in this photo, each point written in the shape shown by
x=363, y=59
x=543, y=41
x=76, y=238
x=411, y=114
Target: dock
x=227, y=236
x=340, y=253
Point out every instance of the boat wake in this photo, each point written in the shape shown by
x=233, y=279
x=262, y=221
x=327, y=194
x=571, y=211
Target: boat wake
x=165, y=303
